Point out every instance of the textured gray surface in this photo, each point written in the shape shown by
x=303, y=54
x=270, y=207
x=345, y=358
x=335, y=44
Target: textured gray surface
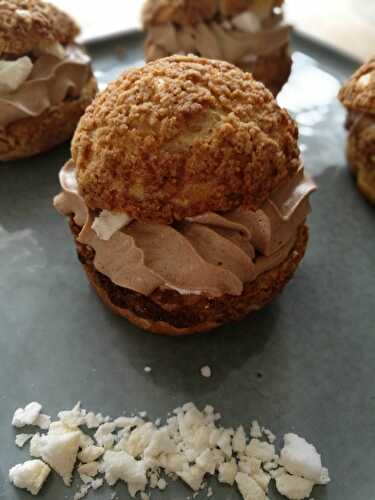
x=306, y=363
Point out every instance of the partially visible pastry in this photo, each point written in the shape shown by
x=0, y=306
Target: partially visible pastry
x=358, y=96
x=186, y=195
x=46, y=81
x=248, y=33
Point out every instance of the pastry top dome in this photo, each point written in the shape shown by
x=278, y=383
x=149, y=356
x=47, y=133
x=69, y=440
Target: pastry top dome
x=182, y=136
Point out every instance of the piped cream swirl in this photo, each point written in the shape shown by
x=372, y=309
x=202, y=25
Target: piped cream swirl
x=213, y=253
x=49, y=83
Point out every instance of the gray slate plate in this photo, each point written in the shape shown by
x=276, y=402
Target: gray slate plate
x=306, y=363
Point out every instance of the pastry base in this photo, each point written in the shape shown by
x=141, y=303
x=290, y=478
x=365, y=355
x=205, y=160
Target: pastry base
x=170, y=313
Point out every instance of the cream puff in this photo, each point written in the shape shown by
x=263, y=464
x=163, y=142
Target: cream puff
x=248, y=33
x=186, y=195
x=46, y=81
x=358, y=96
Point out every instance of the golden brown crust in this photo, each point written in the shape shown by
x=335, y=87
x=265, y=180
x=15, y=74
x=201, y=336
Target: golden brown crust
x=31, y=136
x=182, y=136
x=273, y=70
x=189, y=12
x=159, y=327
x=28, y=24
x=358, y=93
x=170, y=313
x=361, y=152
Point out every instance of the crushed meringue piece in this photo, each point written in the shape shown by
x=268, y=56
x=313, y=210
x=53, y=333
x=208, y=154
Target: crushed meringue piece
x=108, y=223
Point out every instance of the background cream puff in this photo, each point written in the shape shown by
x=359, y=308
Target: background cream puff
x=358, y=96
x=248, y=33
x=46, y=81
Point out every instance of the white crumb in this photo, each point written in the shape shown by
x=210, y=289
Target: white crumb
x=22, y=439
x=191, y=446
x=206, y=371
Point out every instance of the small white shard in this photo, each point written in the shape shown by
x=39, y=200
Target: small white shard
x=162, y=484
x=104, y=436
x=29, y=476
x=324, y=476
x=249, y=465
x=301, y=458
x=97, y=483
x=269, y=435
x=108, y=223
x=255, y=431
x=207, y=461
x=160, y=443
x=247, y=22
x=27, y=415
x=277, y=472
x=293, y=487
x=193, y=476
x=90, y=469
x=93, y=420
x=228, y=472
x=119, y=465
x=59, y=451
x=249, y=488
x=225, y=442
x=128, y=422
x=14, y=73
x=239, y=440
x=90, y=484
x=59, y=428
x=85, y=441
x=90, y=454
x=261, y=450
x=53, y=49
x=73, y=418
x=154, y=478
x=173, y=463
x=206, y=371
x=22, y=439
x=143, y=414
x=82, y=492
x=263, y=479
x=43, y=422
x=148, y=369
x=139, y=439
x=273, y=464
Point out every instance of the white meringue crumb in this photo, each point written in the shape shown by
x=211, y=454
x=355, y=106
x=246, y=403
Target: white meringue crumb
x=22, y=439
x=206, y=371
x=14, y=73
x=26, y=416
x=191, y=446
x=29, y=476
x=108, y=223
